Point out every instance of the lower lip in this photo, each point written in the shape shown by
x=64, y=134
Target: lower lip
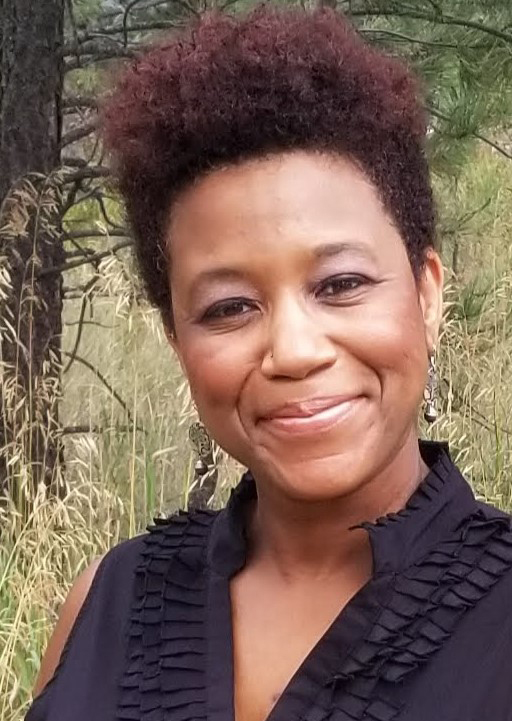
x=321, y=421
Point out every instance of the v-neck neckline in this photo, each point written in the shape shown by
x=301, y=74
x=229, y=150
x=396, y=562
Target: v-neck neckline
x=396, y=540
x=312, y=676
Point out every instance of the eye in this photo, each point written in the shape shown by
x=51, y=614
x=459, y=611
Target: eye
x=230, y=308
x=341, y=285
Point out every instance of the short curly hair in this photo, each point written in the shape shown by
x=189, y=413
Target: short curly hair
x=230, y=88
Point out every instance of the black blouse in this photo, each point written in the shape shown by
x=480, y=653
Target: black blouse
x=428, y=638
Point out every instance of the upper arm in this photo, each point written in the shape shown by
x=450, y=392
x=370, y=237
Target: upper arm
x=67, y=617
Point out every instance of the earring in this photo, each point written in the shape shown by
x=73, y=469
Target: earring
x=205, y=469
x=201, y=443
x=430, y=393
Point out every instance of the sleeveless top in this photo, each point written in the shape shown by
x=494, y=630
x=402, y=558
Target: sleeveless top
x=429, y=637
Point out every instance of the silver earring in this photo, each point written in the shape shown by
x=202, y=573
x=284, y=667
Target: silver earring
x=202, y=444
x=205, y=468
x=430, y=393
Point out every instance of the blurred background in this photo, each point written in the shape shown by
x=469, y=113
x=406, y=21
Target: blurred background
x=94, y=412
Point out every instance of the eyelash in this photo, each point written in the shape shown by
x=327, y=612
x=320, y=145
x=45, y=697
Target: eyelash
x=354, y=281
x=216, y=312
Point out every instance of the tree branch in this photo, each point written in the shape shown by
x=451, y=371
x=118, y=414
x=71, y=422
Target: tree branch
x=151, y=5
x=90, y=172
x=227, y=3
x=187, y=6
x=71, y=200
x=419, y=41
x=79, y=252
x=124, y=21
x=74, y=162
x=108, y=15
x=102, y=378
x=96, y=323
x=79, y=430
x=438, y=19
x=90, y=44
x=78, y=337
x=134, y=28
x=98, y=55
x=91, y=259
x=79, y=101
x=100, y=199
x=78, y=133
x=71, y=14
x=95, y=233
x=473, y=133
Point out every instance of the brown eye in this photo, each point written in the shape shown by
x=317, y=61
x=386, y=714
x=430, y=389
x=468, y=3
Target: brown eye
x=341, y=285
x=231, y=308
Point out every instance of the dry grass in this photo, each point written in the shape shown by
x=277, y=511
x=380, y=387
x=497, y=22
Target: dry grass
x=137, y=463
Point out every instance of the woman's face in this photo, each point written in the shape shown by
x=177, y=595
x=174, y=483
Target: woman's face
x=298, y=320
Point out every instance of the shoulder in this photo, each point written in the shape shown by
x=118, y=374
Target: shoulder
x=112, y=576
x=118, y=558
x=68, y=615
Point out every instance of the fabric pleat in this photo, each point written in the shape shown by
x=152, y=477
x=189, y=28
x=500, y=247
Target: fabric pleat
x=428, y=600
x=165, y=673
x=435, y=561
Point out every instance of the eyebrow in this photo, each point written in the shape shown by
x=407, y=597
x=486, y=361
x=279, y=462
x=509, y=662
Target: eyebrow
x=211, y=276
x=328, y=250
x=221, y=273
x=325, y=250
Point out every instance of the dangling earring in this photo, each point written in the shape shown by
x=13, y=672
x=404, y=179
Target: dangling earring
x=205, y=469
x=202, y=444
x=430, y=393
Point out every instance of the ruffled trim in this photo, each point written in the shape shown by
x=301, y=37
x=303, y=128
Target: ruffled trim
x=387, y=633
x=165, y=673
x=426, y=603
x=439, y=504
x=427, y=492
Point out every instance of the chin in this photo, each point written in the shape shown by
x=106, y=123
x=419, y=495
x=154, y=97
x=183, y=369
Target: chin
x=314, y=480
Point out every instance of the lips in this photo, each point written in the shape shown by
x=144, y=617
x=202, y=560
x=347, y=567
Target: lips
x=307, y=408
x=310, y=416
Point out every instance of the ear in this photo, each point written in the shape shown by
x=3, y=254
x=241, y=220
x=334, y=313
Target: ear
x=430, y=291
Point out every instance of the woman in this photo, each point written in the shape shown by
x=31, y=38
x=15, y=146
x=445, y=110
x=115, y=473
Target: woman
x=274, y=174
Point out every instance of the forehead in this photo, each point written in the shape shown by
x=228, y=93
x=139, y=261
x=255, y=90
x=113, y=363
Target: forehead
x=290, y=203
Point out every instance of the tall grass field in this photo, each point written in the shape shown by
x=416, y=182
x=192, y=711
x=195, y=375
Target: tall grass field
x=127, y=455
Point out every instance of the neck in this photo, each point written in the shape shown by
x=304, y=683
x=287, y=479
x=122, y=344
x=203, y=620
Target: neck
x=301, y=538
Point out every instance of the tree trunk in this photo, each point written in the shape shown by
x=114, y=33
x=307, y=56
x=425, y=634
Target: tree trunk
x=31, y=38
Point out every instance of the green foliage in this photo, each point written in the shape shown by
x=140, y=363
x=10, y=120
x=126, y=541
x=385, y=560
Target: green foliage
x=465, y=67
x=86, y=11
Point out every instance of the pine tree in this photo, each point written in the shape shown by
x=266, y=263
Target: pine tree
x=461, y=48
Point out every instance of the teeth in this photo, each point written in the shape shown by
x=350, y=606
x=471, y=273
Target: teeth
x=329, y=412
x=326, y=414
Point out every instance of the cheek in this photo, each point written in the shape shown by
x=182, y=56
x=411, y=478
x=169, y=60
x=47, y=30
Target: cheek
x=389, y=338
x=216, y=370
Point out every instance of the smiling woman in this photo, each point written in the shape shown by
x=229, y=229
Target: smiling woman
x=274, y=173
x=300, y=325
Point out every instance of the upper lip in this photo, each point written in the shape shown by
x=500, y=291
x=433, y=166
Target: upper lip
x=305, y=408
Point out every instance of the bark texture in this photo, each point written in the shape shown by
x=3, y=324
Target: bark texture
x=31, y=39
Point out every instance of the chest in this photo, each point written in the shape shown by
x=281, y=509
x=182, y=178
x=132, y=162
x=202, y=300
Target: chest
x=274, y=632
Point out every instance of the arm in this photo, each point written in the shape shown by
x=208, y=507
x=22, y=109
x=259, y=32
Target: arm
x=67, y=617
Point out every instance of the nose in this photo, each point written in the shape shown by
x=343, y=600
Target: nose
x=297, y=344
